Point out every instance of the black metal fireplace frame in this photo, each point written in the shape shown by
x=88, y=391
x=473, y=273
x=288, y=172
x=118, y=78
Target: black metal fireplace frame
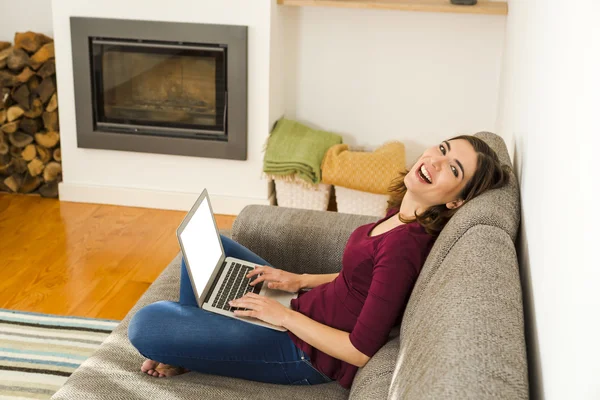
x=231, y=145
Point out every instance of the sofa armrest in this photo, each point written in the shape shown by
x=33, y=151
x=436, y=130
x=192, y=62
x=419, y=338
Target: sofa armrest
x=297, y=240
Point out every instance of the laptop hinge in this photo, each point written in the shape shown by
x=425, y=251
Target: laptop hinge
x=212, y=287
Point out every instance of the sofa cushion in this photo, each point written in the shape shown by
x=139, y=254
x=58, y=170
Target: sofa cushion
x=296, y=240
x=373, y=380
x=462, y=335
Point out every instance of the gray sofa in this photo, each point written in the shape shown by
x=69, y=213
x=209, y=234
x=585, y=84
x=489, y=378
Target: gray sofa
x=462, y=336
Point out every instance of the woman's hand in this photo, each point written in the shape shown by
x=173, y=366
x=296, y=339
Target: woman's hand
x=278, y=279
x=261, y=307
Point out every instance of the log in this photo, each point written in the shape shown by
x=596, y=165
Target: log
x=49, y=189
x=44, y=154
x=11, y=127
x=51, y=172
x=14, y=182
x=35, y=167
x=14, y=151
x=57, y=155
x=21, y=96
x=29, y=152
x=30, y=125
x=6, y=168
x=17, y=60
x=5, y=98
x=4, y=53
x=7, y=79
x=48, y=69
x=30, y=183
x=51, y=121
x=48, y=139
x=19, y=165
x=46, y=89
x=14, y=113
x=2, y=116
x=42, y=55
x=52, y=104
x=20, y=139
x=46, y=39
x=36, y=109
x=30, y=41
x=34, y=83
x=3, y=187
x=25, y=75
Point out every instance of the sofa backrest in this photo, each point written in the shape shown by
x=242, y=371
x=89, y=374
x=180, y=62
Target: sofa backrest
x=462, y=333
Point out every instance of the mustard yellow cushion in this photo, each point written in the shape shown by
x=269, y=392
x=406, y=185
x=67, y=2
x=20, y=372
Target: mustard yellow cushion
x=365, y=171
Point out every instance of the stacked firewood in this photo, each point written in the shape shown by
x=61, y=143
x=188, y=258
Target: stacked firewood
x=30, y=160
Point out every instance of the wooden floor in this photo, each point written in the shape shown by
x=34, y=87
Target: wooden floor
x=82, y=259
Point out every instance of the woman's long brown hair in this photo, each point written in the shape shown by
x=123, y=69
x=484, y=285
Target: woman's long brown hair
x=490, y=173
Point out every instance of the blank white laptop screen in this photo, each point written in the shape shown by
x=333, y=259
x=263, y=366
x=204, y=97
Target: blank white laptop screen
x=201, y=243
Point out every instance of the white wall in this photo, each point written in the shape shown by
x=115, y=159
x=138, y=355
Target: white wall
x=157, y=180
x=549, y=108
x=17, y=16
x=377, y=75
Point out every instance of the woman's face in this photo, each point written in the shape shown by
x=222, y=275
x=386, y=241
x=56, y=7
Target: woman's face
x=441, y=173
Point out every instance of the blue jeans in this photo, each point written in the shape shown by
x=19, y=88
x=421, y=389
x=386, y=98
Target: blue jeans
x=185, y=335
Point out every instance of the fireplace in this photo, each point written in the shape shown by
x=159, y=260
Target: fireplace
x=160, y=87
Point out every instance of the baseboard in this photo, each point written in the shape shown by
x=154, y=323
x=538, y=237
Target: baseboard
x=164, y=200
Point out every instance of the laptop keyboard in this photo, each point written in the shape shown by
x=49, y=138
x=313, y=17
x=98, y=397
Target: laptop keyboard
x=235, y=285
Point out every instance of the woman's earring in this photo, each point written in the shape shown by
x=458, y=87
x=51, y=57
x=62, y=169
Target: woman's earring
x=454, y=204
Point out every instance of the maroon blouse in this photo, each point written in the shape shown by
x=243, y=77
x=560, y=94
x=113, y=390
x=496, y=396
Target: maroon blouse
x=369, y=295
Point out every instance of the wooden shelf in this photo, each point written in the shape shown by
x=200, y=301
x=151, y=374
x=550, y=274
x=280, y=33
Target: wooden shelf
x=482, y=6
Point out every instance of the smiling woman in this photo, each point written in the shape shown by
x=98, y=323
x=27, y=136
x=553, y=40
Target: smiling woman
x=444, y=178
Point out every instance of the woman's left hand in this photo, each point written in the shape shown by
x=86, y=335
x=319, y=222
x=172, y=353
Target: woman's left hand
x=261, y=307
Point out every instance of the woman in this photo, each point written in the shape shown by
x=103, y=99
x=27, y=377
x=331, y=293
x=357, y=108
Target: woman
x=336, y=327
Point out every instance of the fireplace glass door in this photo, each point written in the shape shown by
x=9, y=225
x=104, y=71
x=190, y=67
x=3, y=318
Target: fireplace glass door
x=159, y=88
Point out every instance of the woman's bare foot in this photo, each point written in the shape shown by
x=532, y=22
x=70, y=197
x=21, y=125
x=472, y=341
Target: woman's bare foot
x=160, y=370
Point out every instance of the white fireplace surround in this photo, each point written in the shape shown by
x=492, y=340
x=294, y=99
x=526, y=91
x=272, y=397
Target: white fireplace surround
x=165, y=181
x=315, y=65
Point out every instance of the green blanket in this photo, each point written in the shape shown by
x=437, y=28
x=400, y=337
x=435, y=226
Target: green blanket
x=294, y=149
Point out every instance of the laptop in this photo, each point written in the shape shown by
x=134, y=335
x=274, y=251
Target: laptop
x=217, y=279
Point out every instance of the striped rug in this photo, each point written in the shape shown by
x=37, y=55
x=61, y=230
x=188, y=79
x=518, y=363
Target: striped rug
x=38, y=352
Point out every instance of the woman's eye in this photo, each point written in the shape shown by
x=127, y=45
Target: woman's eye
x=442, y=149
x=454, y=171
